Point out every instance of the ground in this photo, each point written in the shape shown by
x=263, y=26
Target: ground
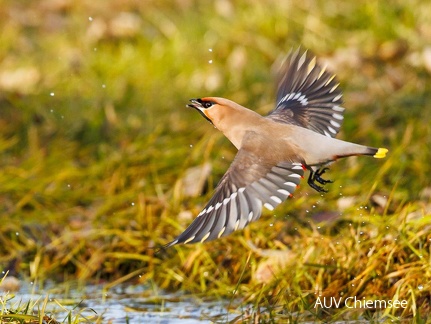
x=97, y=146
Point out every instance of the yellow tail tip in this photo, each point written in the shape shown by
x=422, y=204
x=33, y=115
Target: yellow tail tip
x=381, y=153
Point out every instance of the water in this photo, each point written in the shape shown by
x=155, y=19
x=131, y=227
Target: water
x=121, y=304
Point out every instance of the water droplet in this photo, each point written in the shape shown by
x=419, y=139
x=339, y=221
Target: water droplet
x=90, y=18
x=210, y=61
x=52, y=110
x=16, y=233
x=133, y=204
x=271, y=224
x=52, y=94
x=69, y=186
x=420, y=287
x=103, y=86
x=191, y=145
x=95, y=49
x=210, y=49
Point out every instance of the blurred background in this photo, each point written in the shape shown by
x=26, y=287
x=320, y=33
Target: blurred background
x=100, y=160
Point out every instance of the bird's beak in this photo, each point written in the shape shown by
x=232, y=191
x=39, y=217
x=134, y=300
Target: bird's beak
x=197, y=104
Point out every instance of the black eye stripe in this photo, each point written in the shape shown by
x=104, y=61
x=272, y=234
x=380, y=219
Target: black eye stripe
x=205, y=104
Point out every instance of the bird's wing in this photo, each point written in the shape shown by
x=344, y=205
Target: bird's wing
x=238, y=199
x=308, y=96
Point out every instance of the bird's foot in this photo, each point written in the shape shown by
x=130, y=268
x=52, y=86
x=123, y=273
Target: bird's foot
x=317, y=176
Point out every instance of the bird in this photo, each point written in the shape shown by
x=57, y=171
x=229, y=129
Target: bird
x=274, y=151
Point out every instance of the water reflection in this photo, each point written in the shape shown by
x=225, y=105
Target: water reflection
x=121, y=304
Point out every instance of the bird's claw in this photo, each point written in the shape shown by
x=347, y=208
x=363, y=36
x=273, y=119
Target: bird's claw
x=317, y=176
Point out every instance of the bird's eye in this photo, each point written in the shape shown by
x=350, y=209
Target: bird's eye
x=207, y=104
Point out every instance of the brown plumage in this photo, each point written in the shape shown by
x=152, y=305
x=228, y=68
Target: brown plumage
x=275, y=150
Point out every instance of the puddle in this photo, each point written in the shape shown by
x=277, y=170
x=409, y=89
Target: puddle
x=121, y=304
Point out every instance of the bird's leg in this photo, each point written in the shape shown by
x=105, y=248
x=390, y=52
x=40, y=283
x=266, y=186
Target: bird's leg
x=317, y=176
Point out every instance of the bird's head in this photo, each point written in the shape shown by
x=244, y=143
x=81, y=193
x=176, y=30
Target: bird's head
x=215, y=109
x=205, y=106
x=210, y=108
x=226, y=115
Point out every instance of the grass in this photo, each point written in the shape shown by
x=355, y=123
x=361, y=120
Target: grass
x=95, y=143
x=39, y=310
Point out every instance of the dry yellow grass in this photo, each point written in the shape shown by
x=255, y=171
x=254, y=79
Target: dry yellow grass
x=95, y=142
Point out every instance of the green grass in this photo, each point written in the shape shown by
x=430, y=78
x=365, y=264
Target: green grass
x=95, y=141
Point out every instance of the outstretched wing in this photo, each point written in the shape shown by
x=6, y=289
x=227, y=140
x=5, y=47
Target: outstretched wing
x=238, y=199
x=308, y=96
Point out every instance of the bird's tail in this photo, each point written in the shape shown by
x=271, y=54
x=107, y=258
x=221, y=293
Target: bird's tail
x=355, y=150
